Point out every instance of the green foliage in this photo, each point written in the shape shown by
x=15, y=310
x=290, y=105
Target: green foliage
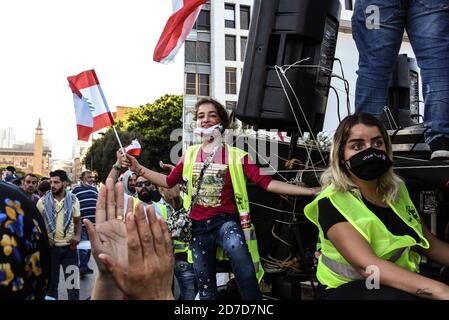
x=151, y=124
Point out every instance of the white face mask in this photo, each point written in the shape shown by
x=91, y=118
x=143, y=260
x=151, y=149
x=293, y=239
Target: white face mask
x=205, y=132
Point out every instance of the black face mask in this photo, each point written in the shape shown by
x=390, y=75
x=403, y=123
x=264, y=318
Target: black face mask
x=370, y=164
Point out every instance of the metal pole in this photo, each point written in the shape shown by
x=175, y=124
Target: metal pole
x=118, y=139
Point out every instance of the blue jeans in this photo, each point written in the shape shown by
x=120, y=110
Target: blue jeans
x=84, y=254
x=68, y=259
x=185, y=274
x=224, y=231
x=427, y=25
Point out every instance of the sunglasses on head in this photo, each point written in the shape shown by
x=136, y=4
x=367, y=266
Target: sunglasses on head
x=140, y=184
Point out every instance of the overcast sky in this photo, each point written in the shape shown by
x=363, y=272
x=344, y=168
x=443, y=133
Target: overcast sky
x=44, y=41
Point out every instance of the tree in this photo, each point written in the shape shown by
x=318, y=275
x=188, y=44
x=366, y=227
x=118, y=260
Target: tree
x=151, y=124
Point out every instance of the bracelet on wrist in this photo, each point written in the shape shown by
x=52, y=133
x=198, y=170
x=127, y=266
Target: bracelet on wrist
x=117, y=167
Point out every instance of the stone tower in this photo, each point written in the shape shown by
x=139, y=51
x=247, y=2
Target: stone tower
x=38, y=149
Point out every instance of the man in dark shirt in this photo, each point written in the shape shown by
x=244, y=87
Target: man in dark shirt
x=87, y=195
x=29, y=186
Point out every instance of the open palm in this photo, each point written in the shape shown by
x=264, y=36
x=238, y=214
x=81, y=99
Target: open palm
x=108, y=236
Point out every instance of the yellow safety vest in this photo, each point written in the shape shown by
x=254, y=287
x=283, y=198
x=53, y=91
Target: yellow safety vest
x=238, y=179
x=333, y=270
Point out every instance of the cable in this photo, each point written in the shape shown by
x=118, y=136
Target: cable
x=300, y=108
x=275, y=209
x=344, y=91
x=287, y=263
x=341, y=66
x=277, y=68
x=338, y=103
x=346, y=83
x=275, y=170
x=279, y=238
x=410, y=158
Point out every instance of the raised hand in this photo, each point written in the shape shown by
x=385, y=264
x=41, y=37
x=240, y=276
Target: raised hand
x=129, y=161
x=108, y=236
x=150, y=258
x=166, y=166
x=119, y=156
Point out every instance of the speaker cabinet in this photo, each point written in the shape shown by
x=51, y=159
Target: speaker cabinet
x=403, y=94
x=283, y=32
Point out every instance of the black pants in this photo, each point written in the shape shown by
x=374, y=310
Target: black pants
x=357, y=290
x=68, y=259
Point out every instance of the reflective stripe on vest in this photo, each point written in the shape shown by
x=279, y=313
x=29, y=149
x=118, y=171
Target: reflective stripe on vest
x=347, y=270
x=384, y=244
x=238, y=180
x=179, y=247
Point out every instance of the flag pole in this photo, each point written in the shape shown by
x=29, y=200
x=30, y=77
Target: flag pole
x=92, y=155
x=118, y=139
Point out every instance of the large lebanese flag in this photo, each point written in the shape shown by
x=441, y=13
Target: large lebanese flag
x=176, y=29
x=91, y=109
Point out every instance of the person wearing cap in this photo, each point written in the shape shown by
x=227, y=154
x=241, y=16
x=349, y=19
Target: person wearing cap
x=10, y=174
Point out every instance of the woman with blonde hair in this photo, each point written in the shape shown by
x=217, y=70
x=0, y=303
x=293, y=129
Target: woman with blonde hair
x=370, y=232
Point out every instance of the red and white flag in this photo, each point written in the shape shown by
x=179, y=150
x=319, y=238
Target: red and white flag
x=134, y=148
x=91, y=109
x=176, y=29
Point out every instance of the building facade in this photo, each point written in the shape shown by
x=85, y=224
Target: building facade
x=29, y=157
x=214, y=57
x=122, y=112
x=68, y=166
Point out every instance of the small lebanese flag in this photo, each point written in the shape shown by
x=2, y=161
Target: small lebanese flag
x=134, y=148
x=281, y=136
x=176, y=29
x=91, y=109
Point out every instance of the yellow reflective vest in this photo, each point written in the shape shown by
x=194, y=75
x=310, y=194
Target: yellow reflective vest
x=333, y=270
x=238, y=179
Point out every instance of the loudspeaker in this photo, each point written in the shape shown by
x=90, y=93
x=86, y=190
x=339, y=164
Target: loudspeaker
x=283, y=32
x=403, y=94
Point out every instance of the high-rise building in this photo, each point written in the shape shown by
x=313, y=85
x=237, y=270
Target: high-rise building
x=214, y=55
x=7, y=138
x=215, y=51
